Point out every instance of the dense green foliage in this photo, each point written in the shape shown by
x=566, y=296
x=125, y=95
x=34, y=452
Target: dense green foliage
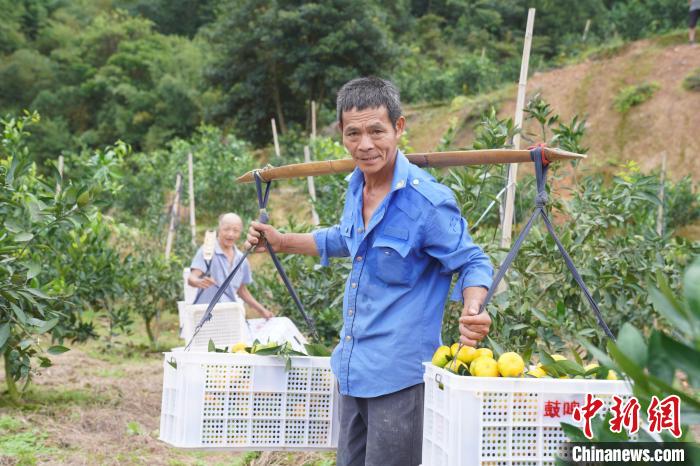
x=662, y=364
x=149, y=71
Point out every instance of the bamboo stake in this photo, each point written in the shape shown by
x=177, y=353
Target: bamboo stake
x=173, y=216
x=507, y=226
x=60, y=175
x=312, y=188
x=433, y=159
x=660, y=227
x=313, y=121
x=193, y=223
x=274, y=137
x=585, y=30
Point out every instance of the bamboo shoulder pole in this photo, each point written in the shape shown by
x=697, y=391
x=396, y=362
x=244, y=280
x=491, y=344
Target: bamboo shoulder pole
x=507, y=227
x=428, y=159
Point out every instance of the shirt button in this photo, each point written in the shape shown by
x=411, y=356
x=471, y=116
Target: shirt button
x=416, y=181
x=359, y=258
x=348, y=338
x=350, y=312
x=360, y=230
x=354, y=285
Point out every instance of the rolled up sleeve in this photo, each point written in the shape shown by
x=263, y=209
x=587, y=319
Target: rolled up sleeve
x=330, y=243
x=198, y=261
x=447, y=239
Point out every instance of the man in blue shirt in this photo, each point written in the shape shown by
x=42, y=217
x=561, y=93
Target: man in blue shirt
x=226, y=257
x=406, y=237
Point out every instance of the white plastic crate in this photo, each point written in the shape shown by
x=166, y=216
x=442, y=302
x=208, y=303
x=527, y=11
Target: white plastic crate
x=492, y=421
x=225, y=328
x=277, y=329
x=241, y=402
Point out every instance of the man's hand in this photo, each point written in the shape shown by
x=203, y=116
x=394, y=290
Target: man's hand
x=267, y=315
x=272, y=236
x=204, y=282
x=473, y=327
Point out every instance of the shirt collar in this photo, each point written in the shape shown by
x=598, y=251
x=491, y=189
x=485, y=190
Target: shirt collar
x=401, y=165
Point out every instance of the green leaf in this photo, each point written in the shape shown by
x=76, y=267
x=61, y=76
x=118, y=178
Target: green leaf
x=659, y=363
x=38, y=293
x=574, y=433
x=317, y=349
x=4, y=333
x=627, y=365
x=211, y=347
x=631, y=342
x=19, y=313
x=597, y=353
x=57, y=349
x=684, y=358
x=33, y=269
x=23, y=237
x=173, y=363
x=497, y=349
x=667, y=305
x=691, y=288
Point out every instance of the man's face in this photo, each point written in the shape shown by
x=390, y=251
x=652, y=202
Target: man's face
x=370, y=138
x=229, y=233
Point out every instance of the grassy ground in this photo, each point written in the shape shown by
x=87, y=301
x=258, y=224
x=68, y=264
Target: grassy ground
x=101, y=405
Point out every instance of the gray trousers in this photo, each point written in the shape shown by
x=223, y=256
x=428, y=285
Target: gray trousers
x=382, y=431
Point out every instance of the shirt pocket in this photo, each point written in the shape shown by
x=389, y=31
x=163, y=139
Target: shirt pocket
x=391, y=249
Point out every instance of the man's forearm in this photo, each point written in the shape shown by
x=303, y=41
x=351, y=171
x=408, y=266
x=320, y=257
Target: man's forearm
x=476, y=294
x=299, y=243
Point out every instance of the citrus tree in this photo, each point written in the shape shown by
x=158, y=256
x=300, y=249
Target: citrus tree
x=32, y=215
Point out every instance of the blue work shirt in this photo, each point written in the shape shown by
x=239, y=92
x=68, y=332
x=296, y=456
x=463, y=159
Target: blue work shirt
x=219, y=270
x=402, y=267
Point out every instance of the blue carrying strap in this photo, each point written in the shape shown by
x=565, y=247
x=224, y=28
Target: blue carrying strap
x=541, y=167
x=263, y=198
x=264, y=218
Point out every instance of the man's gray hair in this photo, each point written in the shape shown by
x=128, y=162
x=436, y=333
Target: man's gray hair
x=369, y=92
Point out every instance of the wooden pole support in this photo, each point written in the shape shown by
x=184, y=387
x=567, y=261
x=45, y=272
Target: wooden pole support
x=274, y=137
x=507, y=226
x=660, y=224
x=312, y=188
x=173, y=216
x=60, y=175
x=193, y=223
x=313, y=120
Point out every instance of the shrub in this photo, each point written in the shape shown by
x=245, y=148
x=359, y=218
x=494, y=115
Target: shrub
x=631, y=96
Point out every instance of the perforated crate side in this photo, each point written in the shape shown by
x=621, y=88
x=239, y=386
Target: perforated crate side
x=490, y=421
x=245, y=402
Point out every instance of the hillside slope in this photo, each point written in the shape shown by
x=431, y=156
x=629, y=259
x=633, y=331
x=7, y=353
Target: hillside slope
x=669, y=121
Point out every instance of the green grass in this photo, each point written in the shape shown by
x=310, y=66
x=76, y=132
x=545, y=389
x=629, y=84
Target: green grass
x=692, y=81
x=22, y=445
x=634, y=95
x=37, y=397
